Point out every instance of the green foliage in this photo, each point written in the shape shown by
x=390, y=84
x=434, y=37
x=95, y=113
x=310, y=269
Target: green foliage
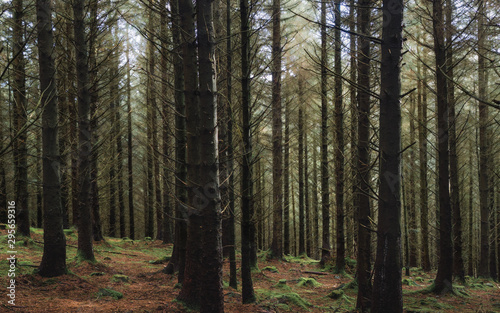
x=302, y=259
x=419, y=279
x=336, y=294
x=409, y=282
x=106, y=292
x=97, y=274
x=148, y=239
x=161, y=260
x=308, y=282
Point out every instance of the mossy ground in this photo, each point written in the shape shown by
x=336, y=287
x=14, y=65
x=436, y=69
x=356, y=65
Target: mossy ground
x=293, y=284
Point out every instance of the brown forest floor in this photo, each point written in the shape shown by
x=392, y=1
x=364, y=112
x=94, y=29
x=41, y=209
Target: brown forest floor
x=148, y=290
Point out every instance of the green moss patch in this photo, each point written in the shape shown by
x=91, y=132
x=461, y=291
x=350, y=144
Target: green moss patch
x=271, y=269
x=121, y=278
x=282, y=285
x=106, y=292
x=308, y=282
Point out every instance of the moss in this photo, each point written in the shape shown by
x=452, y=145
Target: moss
x=161, y=260
x=302, y=259
x=271, y=269
x=282, y=285
x=106, y=292
x=336, y=294
x=121, y=278
x=419, y=279
x=97, y=274
x=308, y=282
x=148, y=239
x=288, y=298
x=408, y=282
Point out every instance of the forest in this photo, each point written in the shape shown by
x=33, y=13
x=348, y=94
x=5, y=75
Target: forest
x=250, y=156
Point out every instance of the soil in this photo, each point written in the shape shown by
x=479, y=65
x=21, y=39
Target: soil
x=146, y=289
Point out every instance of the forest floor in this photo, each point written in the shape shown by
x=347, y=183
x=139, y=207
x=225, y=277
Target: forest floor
x=133, y=268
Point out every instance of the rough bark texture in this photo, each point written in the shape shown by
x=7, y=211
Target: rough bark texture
x=458, y=262
x=205, y=175
x=339, y=149
x=302, y=240
x=20, y=148
x=130, y=171
x=325, y=186
x=248, y=249
x=277, y=243
x=387, y=294
x=85, y=250
x=191, y=292
x=422, y=140
x=54, y=249
x=286, y=184
x=363, y=214
x=484, y=162
x=443, y=281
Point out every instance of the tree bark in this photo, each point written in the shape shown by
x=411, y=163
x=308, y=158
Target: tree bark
x=387, y=294
x=339, y=151
x=277, y=243
x=20, y=148
x=54, y=249
x=85, y=249
x=248, y=249
x=443, y=281
x=325, y=186
x=302, y=160
x=363, y=214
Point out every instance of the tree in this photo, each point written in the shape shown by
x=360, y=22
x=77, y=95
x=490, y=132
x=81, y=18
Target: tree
x=54, y=249
x=387, y=292
x=325, y=186
x=20, y=148
x=363, y=269
x=339, y=151
x=85, y=250
x=248, y=249
x=443, y=282
x=277, y=244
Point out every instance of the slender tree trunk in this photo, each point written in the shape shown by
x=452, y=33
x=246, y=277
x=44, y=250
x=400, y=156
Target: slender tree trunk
x=325, y=186
x=130, y=167
x=484, y=162
x=363, y=269
x=307, y=206
x=286, y=184
x=387, y=293
x=443, y=281
x=315, y=210
x=248, y=250
x=339, y=151
x=422, y=139
x=20, y=148
x=94, y=97
x=277, y=244
x=471, y=267
x=54, y=249
x=166, y=130
x=458, y=262
x=85, y=249
x=39, y=191
x=113, y=92
x=302, y=160
x=412, y=208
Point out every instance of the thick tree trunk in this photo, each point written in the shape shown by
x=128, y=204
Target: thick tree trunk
x=286, y=184
x=85, y=249
x=362, y=199
x=443, y=281
x=248, y=249
x=54, y=249
x=20, y=148
x=325, y=186
x=387, y=294
x=277, y=243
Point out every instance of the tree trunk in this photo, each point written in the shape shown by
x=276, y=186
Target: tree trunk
x=325, y=187
x=443, y=281
x=302, y=160
x=387, y=293
x=339, y=151
x=412, y=208
x=85, y=249
x=458, y=262
x=484, y=162
x=422, y=140
x=248, y=249
x=20, y=148
x=286, y=184
x=362, y=199
x=54, y=249
x=277, y=244
x=204, y=175
x=130, y=167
